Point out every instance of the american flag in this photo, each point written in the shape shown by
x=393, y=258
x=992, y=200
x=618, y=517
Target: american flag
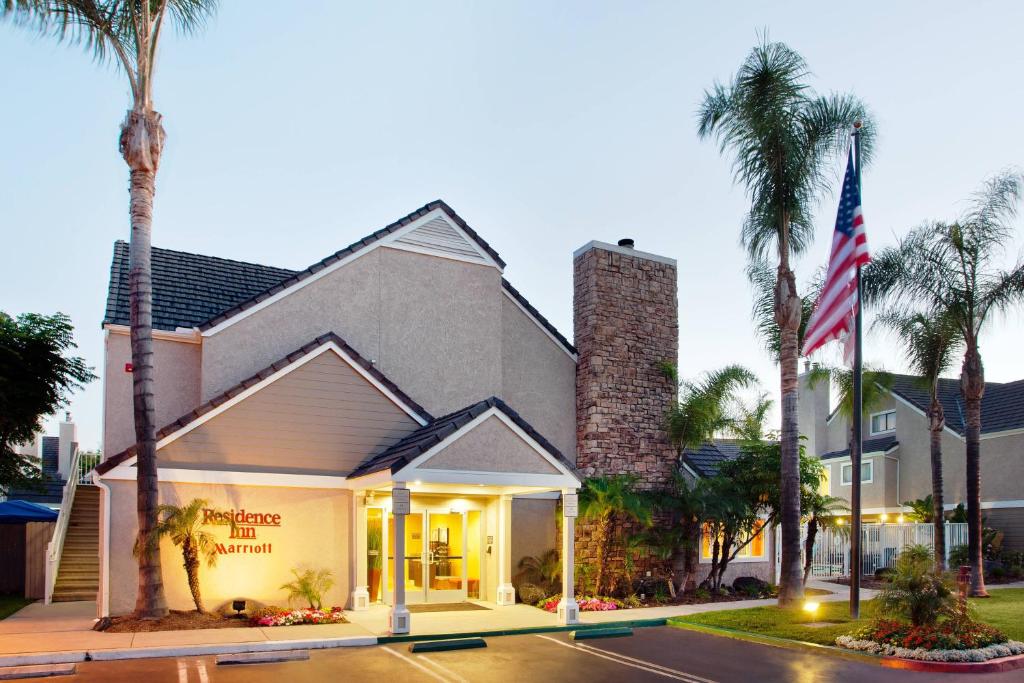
x=833, y=316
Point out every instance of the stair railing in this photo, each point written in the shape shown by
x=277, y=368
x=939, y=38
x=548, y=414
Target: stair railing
x=60, y=529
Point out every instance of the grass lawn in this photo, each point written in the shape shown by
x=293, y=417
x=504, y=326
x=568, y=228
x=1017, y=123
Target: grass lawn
x=1003, y=610
x=9, y=604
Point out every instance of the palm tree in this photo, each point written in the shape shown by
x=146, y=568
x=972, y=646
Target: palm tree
x=949, y=269
x=877, y=388
x=128, y=32
x=607, y=500
x=702, y=408
x=929, y=343
x=782, y=137
x=309, y=585
x=823, y=512
x=184, y=526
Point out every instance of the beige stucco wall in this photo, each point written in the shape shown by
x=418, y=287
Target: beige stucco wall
x=490, y=447
x=321, y=418
x=538, y=379
x=534, y=529
x=176, y=367
x=314, y=533
x=432, y=325
x=872, y=494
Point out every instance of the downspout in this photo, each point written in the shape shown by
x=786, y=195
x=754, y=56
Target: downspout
x=103, y=604
x=899, y=499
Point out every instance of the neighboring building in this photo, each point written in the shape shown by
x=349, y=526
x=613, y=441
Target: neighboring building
x=55, y=455
x=896, y=463
x=306, y=402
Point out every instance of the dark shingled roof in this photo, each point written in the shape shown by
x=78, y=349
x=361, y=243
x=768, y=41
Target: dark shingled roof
x=706, y=459
x=425, y=438
x=187, y=288
x=880, y=445
x=295, y=278
x=1002, y=406
x=188, y=418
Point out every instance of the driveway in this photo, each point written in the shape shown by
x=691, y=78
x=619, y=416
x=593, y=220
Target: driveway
x=652, y=654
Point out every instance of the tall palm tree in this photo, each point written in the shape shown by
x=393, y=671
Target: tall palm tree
x=703, y=407
x=185, y=527
x=823, y=512
x=607, y=500
x=782, y=137
x=128, y=32
x=929, y=342
x=950, y=269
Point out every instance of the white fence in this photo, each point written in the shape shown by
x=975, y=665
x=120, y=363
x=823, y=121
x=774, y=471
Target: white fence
x=881, y=544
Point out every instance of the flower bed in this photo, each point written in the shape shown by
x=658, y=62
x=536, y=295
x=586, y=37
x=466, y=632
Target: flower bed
x=592, y=604
x=276, y=616
x=953, y=640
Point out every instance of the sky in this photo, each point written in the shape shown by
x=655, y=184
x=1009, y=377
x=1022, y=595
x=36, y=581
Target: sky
x=294, y=130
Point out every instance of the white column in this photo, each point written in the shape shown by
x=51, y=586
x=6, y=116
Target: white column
x=360, y=592
x=568, y=609
x=506, y=591
x=398, y=617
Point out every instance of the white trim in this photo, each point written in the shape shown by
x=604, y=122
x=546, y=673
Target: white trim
x=291, y=367
x=183, y=335
x=689, y=469
x=384, y=241
x=625, y=251
x=126, y=471
x=870, y=462
x=871, y=422
x=104, y=593
x=560, y=345
x=1005, y=432
x=410, y=470
x=991, y=505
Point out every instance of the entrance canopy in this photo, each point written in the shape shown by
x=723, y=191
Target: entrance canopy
x=484, y=445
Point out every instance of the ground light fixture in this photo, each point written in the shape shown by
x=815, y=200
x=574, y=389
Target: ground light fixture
x=811, y=607
x=239, y=607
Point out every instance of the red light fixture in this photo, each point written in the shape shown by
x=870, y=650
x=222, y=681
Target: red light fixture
x=128, y=367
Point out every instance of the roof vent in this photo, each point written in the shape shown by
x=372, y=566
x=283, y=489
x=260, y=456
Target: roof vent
x=626, y=242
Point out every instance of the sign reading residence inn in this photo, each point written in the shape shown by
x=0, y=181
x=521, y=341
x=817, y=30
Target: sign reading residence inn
x=243, y=527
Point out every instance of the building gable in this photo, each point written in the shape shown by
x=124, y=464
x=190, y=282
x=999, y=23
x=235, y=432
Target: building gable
x=490, y=447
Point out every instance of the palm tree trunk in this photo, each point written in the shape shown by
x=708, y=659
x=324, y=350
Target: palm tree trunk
x=787, y=315
x=972, y=384
x=191, y=558
x=141, y=142
x=602, y=533
x=937, y=421
x=812, y=532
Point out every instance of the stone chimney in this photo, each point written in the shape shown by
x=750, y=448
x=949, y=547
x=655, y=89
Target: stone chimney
x=812, y=411
x=625, y=317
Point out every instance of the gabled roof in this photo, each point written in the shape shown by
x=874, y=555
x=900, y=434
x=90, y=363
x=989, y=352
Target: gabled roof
x=1002, y=406
x=187, y=288
x=881, y=445
x=706, y=459
x=350, y=250
x=263, y=374
x=425, y=438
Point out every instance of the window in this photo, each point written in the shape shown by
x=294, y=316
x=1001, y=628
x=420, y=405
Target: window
x=752, y=551
x=866, y=473
x=883, y=422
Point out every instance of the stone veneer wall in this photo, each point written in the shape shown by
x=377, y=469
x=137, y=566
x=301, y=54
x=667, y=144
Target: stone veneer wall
x=625, y=315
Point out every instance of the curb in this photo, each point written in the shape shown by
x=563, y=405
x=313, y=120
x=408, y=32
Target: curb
x=1003, y=664
x=185, y=651
x=634, y=623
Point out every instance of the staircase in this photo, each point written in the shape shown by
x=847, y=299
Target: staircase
x=78, y=577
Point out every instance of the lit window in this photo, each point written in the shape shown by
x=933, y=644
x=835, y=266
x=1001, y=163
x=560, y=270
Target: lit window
x=754, y=549
x=824, y=485
x=883, y=422
x=866, y=473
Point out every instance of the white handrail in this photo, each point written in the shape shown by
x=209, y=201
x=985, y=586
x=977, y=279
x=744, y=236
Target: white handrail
x=60, y=529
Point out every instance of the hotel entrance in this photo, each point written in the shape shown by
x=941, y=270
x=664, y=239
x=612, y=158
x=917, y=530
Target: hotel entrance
x=442, y=555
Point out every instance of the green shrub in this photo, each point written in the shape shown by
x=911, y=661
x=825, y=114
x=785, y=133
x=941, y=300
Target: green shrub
x=915, y=590
x=309, y=585
x=959, y=557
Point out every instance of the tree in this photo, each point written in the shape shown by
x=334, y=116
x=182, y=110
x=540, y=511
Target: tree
x=685, y=504
x=876, y=390
x=702, y=409
x=731, y=522
x=922, y=511
x=309, y=585
x=128, y=32
x=36, y=378
x=929, y=343
x=823, y=512
x=949, y=269
x=782, y=137
x=607, y=500
x=184, y=526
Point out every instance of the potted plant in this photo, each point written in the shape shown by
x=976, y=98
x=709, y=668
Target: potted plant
x=374, y=560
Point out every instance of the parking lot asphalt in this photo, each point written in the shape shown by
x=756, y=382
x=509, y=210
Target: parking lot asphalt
x=651, y=654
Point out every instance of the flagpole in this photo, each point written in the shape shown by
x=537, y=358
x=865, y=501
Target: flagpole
x=856, y=444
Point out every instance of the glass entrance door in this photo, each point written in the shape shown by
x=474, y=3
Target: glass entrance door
x=446, y=557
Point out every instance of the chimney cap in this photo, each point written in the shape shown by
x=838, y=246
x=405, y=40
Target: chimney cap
x=626, y=242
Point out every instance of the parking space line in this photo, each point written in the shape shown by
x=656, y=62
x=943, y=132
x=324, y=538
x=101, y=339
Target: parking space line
x=455, y=677
x=643, y=665
x=416, y=664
